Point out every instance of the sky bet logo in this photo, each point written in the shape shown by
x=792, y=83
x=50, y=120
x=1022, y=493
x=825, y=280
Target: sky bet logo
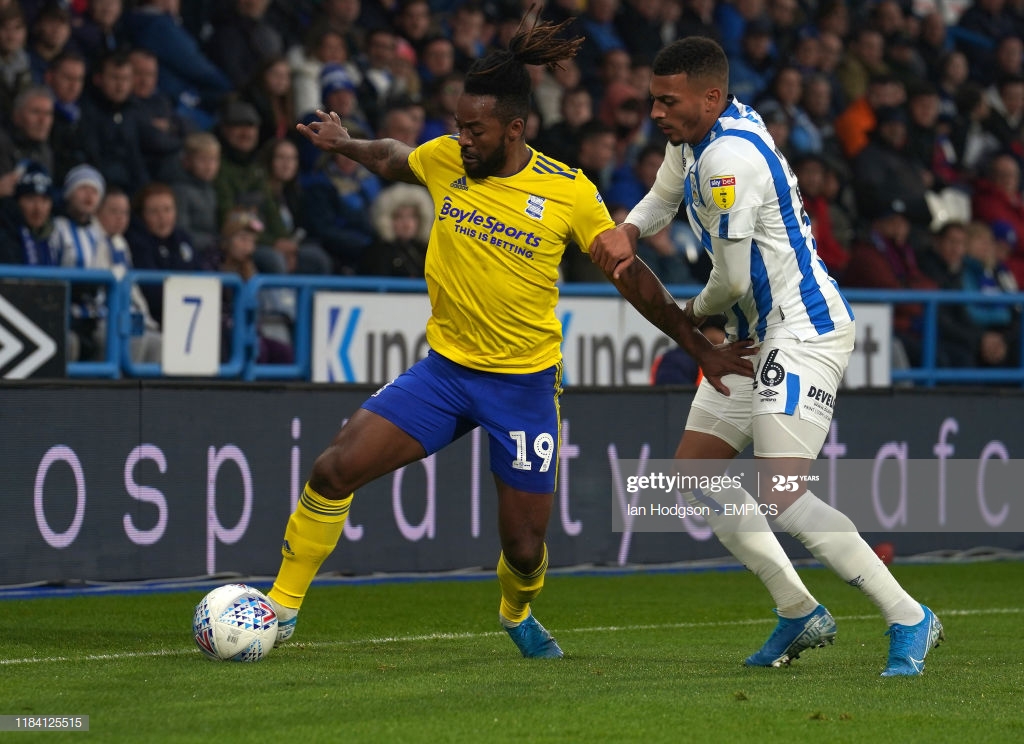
x=485, y=227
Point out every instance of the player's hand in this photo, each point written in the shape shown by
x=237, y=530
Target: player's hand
x=696, y=320
x=614, y=250
x=727, y=359
x=327, y=134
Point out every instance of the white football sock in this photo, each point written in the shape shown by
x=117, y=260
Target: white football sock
x=833, y=539
x=751, y=540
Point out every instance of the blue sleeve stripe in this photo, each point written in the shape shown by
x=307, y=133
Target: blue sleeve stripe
x=723, y=225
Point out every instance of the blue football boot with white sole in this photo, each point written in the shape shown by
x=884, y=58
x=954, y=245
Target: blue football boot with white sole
x=792, y=637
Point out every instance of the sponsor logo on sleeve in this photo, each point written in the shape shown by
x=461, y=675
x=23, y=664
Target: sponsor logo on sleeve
x=723, y=191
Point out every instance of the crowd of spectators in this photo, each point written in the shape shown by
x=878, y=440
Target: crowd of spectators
x=902, y=120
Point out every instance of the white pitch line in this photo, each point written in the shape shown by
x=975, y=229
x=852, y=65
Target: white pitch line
x=484, y=634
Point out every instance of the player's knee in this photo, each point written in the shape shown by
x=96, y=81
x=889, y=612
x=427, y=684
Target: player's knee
x=524, y=554
x=329, y=476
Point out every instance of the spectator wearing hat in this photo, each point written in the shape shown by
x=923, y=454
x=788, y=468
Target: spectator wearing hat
x=77, y=236
x=997, y=198
x=929, y=143
x=883, y=258
x=80, y=244
x=402, y=216
x=339, y=92
x=111, y=124
x=242, y=179
x=27, y=235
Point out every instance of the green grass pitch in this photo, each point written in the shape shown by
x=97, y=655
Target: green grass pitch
x=650, y=657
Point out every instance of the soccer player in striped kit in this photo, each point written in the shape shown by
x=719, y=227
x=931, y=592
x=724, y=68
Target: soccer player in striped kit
x=741, y=198
x=504, y=215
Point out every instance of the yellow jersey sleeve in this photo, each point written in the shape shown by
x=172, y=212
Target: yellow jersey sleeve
x=493, y=256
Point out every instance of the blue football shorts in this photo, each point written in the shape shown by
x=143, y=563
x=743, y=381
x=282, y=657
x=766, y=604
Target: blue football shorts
x=436, y=401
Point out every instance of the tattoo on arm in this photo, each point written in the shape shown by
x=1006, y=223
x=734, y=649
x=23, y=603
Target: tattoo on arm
x=642, y=289
x=388, y=158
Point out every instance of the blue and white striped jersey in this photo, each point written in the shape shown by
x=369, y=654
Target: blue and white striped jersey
x=735, y=185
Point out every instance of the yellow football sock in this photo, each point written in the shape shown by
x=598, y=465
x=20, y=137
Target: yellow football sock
x=519, y=589
x=312, y=533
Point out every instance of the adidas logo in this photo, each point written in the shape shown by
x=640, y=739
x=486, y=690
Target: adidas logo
x=460, y=184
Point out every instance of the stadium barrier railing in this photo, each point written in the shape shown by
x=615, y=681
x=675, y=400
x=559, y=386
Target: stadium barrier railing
x=242, y=360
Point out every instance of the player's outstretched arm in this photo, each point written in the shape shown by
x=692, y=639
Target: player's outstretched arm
x=638, y=284
x=388, y=158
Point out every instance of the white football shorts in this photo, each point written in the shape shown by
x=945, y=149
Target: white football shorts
x=787, y=410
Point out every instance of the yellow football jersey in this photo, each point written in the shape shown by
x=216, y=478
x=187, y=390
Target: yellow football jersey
x=492, y=260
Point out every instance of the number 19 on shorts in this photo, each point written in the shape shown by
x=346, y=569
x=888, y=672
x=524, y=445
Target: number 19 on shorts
x=543, y=447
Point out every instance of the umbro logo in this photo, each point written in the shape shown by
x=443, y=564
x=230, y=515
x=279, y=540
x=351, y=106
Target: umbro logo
x=460, y=184
x=768, y=394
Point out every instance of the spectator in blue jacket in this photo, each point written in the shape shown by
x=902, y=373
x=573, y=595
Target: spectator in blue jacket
x=186, y=74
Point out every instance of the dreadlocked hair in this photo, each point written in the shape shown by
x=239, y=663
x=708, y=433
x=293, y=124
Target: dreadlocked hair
x=503, y=73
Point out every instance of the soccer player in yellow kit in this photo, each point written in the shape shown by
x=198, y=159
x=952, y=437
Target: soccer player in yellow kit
x=504, y=215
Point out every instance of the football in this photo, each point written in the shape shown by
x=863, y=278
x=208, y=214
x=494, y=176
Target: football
x=235, y=623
